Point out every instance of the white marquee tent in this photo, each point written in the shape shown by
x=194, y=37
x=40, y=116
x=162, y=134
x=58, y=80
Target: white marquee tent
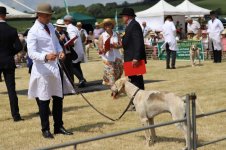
x=13, y=13
x=191, y=9
x=154, y=16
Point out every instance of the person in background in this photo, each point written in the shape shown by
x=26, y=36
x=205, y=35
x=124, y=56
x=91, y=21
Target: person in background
x=83, y=34
x=10, y=45
x=78, y=47
x=47, y=80
x=63, y=37
x=90, y=43
x=133, y=44
x=215, y=27
x=223, y=40
x=113, y=67
x=97, y=32
x=193, y=26
x=205, y=43
x=179, y=30
x=146, y=29
x=169, y=33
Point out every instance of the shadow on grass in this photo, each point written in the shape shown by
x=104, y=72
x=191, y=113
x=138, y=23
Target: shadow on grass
x=65, y=109
x=88, y=127
x=166, y=139
x=92, y=86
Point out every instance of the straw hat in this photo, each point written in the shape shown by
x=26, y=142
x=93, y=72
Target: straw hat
x=79, y=24
x=224, y=32
x=44, y=8
x=152, y=33
x=60, y=23
x=97, y=24
x=107, y=20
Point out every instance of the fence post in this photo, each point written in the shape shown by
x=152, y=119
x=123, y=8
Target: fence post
x=188, y=118
x=194, y=141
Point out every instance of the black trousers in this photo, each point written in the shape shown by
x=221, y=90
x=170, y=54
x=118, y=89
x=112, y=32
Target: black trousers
x=9, y=76
x=69, y=66
x=57, y=112
x=77, y=71
x=137, y=81
x=170, y=53
x=217, y=56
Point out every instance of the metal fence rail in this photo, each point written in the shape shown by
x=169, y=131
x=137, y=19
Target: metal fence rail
x=190, y=120
x=111, y=135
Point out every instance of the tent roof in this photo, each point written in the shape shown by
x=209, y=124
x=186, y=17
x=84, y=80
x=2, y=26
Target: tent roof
x=160, y=9
x=83, y=18
x=191, y=9
x=13, y=13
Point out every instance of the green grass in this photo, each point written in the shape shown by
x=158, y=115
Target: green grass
x=208, y=81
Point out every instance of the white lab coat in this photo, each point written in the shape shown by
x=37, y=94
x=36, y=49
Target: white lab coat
x=45, y=79
x=214, y=29
x=169, y=33
x=78, y=47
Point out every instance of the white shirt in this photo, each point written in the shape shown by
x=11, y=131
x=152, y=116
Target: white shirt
x=73, y=32
x=113, y=54
x=215, y=28
x=45, y=79
x=194, y=27
x=169, y=33
x=146, y=30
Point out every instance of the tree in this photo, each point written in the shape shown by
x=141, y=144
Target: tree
x=96, y=9
x=125, y=4
x=111, y=5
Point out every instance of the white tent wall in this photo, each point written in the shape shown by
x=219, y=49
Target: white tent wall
x=13, y=13
x=156, y=23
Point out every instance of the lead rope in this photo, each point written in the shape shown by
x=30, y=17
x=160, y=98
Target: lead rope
x=63, y=68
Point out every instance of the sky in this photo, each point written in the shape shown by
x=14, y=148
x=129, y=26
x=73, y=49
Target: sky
x=33, y=3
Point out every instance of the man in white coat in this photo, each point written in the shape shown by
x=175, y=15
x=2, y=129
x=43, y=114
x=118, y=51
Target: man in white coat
x=47, y=80
x=78, y=47
x=169, y=33
x=215, y=27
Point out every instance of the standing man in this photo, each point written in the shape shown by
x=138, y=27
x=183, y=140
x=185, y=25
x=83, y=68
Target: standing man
x=169, y=33
x=97, y=32
x=9, y=46
x=69, y=52
x=146, y=29
x=78, y=47
x=215, y=27
x=47, y=80
x=133, y=44
x=193, y=26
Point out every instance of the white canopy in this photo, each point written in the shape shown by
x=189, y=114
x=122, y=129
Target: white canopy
x=191, y=9
x=154, y=16
x=160, y=9
x=13, y=13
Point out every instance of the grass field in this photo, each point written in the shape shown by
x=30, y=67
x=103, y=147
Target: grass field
x=208, y=81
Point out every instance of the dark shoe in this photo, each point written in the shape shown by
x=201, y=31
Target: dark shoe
x=62, y=130
x=47, y=134
x=173, y=68
x=167, y=67
x=1, y=80
x=82, y=84
x=17, y=119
